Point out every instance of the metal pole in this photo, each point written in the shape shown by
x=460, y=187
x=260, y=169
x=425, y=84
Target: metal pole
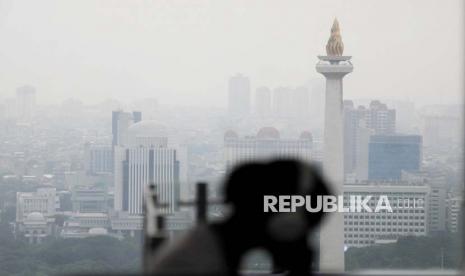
x=202, y=194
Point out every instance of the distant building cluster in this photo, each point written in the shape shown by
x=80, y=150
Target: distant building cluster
x=280, y=102
x=373, y=150
x=84, y=180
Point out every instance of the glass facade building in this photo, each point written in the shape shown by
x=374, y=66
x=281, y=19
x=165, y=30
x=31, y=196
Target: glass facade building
x=389, y=155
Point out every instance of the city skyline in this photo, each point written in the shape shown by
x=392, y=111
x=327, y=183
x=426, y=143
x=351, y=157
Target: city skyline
x=126, y=51
x=125, y=126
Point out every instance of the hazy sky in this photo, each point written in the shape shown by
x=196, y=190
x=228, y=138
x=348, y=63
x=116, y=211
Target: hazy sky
x=184, y=51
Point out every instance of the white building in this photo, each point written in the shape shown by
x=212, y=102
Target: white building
x=82, y=225
x=410, y=205
x=99, y=159
x=120, y=123
x=436, y=180
x=239, y=95
x=25, y=103
x=44, y=201
x=36, y=227
x=454, y=213
x=88, y=199
x=145, y=159
x=263, y=101
x=266, y=144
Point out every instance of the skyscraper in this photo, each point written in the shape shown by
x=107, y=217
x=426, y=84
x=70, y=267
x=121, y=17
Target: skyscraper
x=300, y=103
x=351, y=122
x=120, y=122
x=263, y=101
x=334, y=67
x=389, y=155
x=145, y=159
x=362, y=140
x=99, y=159
x=377, y=117
x=239, y=95
x=282, y=101
x=25, y=103
x=380, y=118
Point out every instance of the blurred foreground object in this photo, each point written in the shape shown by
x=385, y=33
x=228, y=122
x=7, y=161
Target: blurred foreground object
x=218, y=248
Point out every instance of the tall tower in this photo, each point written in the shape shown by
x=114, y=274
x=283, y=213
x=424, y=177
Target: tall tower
x=25, y=103
x=334, y=66
x=239, y=95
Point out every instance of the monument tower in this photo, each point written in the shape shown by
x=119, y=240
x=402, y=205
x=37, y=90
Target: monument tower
x=334, y=66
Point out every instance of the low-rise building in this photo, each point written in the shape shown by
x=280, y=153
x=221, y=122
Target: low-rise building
x=409, y=214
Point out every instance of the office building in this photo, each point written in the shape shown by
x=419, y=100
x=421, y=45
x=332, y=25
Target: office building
x=362, y=141
x=454, y=214
x=410, y=205
x=440, y=132
x=35, y=227
x=300, y=106
x=266, y=144
x=99, y=159
x=263, y=101
x=389, y=155
x=380, y=118
x=44, y=201
x=282, y=101
x=120, y=122
x=377, y=117
x=35, y=213
x=239, y=95
x=145, y=159
x=25, y=103
x=436, y=180
x=87, y=199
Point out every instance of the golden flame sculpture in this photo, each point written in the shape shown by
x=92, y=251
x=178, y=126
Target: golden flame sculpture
x=335, y=47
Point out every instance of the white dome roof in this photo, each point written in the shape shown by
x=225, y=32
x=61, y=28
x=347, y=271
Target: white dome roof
x=149, y=128
x=98, y=231
x=35, y=216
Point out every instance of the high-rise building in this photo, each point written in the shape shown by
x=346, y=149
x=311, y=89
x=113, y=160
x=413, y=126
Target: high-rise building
x=25, y=103
x=334, y=67
x=362, y=141
x=286, y=102
x=405, y=116
x=442, y=132
x=145, y=159
x=436, y=180
x=380, y=118
x=239, y=95
x=389, y=155
x=300, y=103
x=351, y=121
x=120, y=122
x=454, y=214
x=377, y=117
x=265, y=145
x=263, y=101
x=282, y=101
x=9, y=108
x=99, y=159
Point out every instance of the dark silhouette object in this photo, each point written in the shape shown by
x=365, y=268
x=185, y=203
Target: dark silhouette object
x=217, y=248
